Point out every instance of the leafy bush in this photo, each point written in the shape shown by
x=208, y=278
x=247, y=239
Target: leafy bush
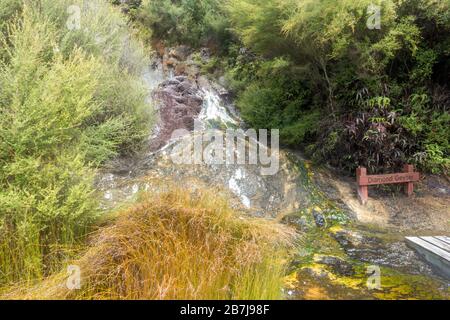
x=273, y=95
x=68, y=102
x=372, y=137
x=382, y=138
x=194, y=22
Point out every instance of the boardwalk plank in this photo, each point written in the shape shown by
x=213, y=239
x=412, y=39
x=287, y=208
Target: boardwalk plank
x=437, y=256
x=437, y=242
x=429, y=247
x=445, y=239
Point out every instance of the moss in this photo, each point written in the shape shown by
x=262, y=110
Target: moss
x=318, y=241
x=396, y=285
x=335, y=229
x=291, y=281
x=319, y=202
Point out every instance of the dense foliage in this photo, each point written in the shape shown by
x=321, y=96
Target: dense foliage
x=382, y=94
x=352, y=82
x=70, y=99
x=197, y=22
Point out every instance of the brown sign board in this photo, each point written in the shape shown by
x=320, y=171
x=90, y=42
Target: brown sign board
x=388, y=178
x=408, y=177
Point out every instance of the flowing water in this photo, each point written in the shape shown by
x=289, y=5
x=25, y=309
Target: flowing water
x=335, y=256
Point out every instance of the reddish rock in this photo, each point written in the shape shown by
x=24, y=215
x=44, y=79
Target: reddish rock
x=180, y=53
x=180, y=103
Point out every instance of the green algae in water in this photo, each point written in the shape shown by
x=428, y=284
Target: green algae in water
x=326, y=284
x=396, y=285
x=319, y=202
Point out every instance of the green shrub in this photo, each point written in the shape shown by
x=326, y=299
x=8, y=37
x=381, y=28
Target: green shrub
x=68, y=102
x=194, y=22
x=272, y=94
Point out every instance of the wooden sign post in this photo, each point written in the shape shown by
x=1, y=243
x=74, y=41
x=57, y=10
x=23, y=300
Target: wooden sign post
x=408, y=177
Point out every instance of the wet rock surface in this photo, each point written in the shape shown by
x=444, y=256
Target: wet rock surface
x=312, y=285
x=319, y=219
x=260, y=195
x=181, y=100
x=338, y=265
x=378, y=252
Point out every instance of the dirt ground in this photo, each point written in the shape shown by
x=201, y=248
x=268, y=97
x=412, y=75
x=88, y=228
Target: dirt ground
x=427, y=212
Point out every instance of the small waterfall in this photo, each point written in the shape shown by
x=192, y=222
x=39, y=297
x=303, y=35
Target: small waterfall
x=214, y=112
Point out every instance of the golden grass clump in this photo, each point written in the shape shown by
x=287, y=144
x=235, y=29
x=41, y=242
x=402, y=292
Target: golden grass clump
x=179, y=245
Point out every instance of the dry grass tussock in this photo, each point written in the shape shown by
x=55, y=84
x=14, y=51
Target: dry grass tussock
x=178, y=245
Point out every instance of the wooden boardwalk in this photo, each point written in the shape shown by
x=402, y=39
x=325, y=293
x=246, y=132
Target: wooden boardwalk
x=435, y=250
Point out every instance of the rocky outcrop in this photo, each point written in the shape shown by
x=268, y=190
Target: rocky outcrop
x=179, y=62
x=179, y=102
x=179, y=99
